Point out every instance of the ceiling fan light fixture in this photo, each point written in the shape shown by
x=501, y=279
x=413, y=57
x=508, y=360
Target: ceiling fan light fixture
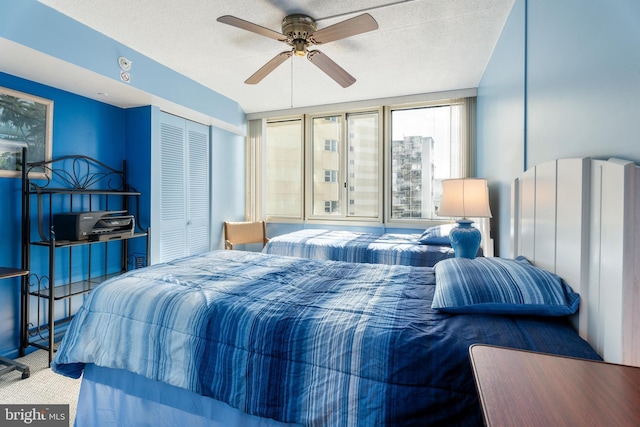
x=300, y=47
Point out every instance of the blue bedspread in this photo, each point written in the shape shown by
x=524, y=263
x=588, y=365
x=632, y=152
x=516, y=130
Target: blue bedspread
x=350, y=246
x=319, y=343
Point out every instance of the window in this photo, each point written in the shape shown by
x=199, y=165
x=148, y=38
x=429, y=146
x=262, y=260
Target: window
x=329, y=167
x=330, y=206
x=354, y=162
x=426, y=146
x=331, y=145
x=284, y=166
x=325, y=189
x=330, y=176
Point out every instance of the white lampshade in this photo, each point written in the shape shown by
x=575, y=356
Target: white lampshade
x=465, y=197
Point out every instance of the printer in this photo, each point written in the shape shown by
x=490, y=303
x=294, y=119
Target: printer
x=93, y=226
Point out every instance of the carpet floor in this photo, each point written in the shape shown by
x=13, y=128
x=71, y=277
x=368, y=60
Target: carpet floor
x=42, y=387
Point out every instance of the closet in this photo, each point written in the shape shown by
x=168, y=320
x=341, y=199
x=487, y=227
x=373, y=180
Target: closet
x=181, y=187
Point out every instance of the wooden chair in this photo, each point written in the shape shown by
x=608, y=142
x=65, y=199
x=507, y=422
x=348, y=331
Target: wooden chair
x=236, y=233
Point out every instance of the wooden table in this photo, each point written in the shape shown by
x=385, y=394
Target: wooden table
x=8, y=365
x=521, y=388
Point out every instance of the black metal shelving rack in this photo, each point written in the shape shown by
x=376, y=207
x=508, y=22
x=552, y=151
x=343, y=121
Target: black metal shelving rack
x=91, y=184
x=7, y=365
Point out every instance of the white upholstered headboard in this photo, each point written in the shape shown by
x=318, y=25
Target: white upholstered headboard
x=580, y=218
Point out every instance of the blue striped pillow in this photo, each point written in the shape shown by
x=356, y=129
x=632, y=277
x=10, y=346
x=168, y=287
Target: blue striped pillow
x=501, y=286
x=436, y=235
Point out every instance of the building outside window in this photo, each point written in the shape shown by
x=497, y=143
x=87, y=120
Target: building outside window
x=425, y=149
x=284, y=169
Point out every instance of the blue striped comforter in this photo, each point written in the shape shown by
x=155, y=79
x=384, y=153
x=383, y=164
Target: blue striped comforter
x=393, y=249
x=319, y=343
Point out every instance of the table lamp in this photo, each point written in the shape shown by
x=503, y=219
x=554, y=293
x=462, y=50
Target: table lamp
x=465, y=197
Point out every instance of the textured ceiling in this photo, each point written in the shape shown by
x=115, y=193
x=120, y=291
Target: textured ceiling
x=421, y=46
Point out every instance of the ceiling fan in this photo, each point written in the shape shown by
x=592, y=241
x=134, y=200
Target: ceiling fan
x=300, y=32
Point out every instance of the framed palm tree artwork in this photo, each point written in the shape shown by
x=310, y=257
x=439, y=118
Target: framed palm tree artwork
x=25, y=121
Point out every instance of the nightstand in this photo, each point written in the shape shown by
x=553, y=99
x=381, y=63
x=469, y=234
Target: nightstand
x=523, y=388
x=8, y=365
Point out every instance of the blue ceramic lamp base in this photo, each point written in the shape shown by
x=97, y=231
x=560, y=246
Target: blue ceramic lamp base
x=465, y=239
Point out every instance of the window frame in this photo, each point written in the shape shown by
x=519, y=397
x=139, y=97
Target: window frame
x=293, y=219
x=384, y=161
x=466, y=159
x=343, y=179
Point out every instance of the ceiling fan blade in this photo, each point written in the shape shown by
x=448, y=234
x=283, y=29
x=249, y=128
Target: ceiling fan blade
x=249, y=26
x=268, y=67
x=332, y=69
x=350, y=27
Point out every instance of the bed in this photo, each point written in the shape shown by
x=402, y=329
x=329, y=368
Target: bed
x=422, y=250
x=300, y=341
x=241, y=338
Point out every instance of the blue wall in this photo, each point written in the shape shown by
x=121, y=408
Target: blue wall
x=140, y=134
x=80, y=126
x=583, y=79
x=563, y=81
x=228, y=186
x=107, y=133
x=500, y=123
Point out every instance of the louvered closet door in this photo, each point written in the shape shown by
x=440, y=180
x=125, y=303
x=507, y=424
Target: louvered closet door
x=198, y=236
x=183, y=227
